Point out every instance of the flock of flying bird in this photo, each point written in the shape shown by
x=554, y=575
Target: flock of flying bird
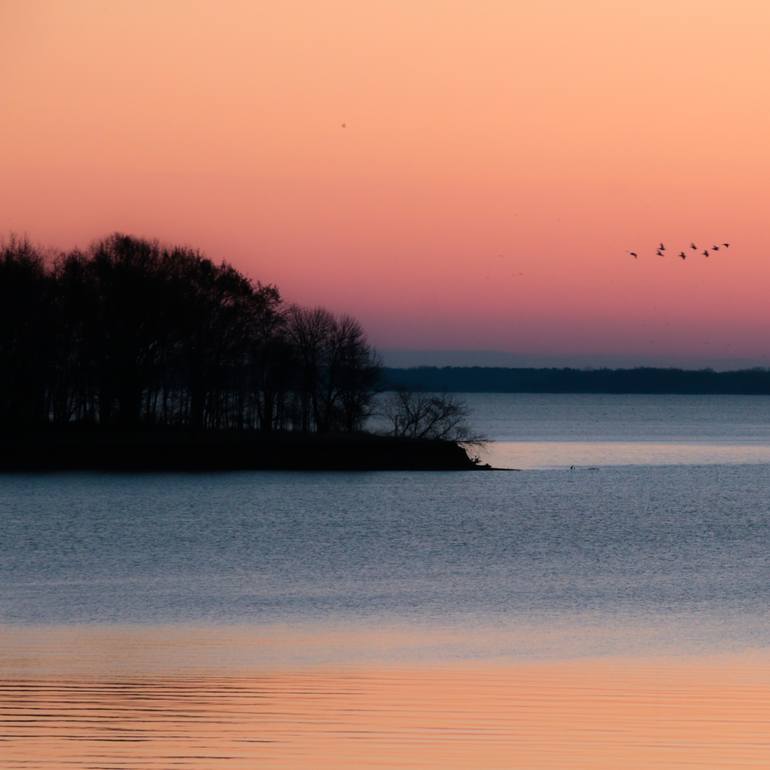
x=661, y=250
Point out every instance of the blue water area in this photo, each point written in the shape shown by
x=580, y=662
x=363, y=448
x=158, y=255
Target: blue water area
x=626, y=417
x=643, y=544
x=466, y=547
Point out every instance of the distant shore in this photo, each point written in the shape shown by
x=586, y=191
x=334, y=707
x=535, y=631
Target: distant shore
x=185, y=450
x=642, y=380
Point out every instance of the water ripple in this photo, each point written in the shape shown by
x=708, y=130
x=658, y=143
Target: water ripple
x=581, y=715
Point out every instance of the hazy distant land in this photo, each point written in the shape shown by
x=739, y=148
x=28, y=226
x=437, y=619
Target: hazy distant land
x=483, y=379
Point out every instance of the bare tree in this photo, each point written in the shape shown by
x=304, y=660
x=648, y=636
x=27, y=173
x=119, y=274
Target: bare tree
x=429, y=415
x=338, y=369
x=352, y=372
x=309, y=330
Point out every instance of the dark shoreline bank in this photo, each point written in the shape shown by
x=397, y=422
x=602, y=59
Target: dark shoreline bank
x=184, y=450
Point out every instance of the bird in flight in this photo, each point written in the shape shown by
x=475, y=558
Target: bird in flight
x=661, y=250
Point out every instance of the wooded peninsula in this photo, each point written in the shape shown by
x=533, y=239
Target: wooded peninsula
x=135, y=354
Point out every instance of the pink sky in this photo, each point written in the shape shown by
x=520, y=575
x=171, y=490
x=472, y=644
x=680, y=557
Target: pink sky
x=497, y=161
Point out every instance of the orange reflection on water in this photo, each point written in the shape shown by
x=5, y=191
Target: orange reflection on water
x=592, y=714
x=593, y=455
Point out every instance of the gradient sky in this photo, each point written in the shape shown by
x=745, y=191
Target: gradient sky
x=498, y=159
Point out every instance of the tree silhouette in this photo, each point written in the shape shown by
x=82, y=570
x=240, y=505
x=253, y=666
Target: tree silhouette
x=428, y=415
x=25, y=290
x=132, y=333
x=338, y=370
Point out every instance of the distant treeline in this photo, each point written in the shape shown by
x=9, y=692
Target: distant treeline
x=133, y=333
x=478, y=379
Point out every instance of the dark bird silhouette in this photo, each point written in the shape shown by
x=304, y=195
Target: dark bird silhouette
x=705, y=253
x=661, y=247
x=715, y=248
x=726, y=245
x=693, y=246
x=633, y=254
x=682, y=255
x=660, y=253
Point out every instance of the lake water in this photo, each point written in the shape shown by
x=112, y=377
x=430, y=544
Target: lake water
x=557, y=431
x=608, y=606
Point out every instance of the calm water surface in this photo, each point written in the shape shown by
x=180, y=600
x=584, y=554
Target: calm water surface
x=556, y=431
x=613, y=615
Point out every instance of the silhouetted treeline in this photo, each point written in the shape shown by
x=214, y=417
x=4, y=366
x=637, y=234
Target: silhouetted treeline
x=134, y=333
x=478, y=379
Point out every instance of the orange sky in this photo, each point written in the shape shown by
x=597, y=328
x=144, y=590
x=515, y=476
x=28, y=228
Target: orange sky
x=497, y=160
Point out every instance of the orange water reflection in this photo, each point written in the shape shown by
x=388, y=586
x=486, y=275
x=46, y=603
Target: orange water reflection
x=528, y=455
x=704, y=712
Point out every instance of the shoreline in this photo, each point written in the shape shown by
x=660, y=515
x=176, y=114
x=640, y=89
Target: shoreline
x=78, y=448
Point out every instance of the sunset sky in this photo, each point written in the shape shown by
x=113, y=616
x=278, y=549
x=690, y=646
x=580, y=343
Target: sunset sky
x=496, y=161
